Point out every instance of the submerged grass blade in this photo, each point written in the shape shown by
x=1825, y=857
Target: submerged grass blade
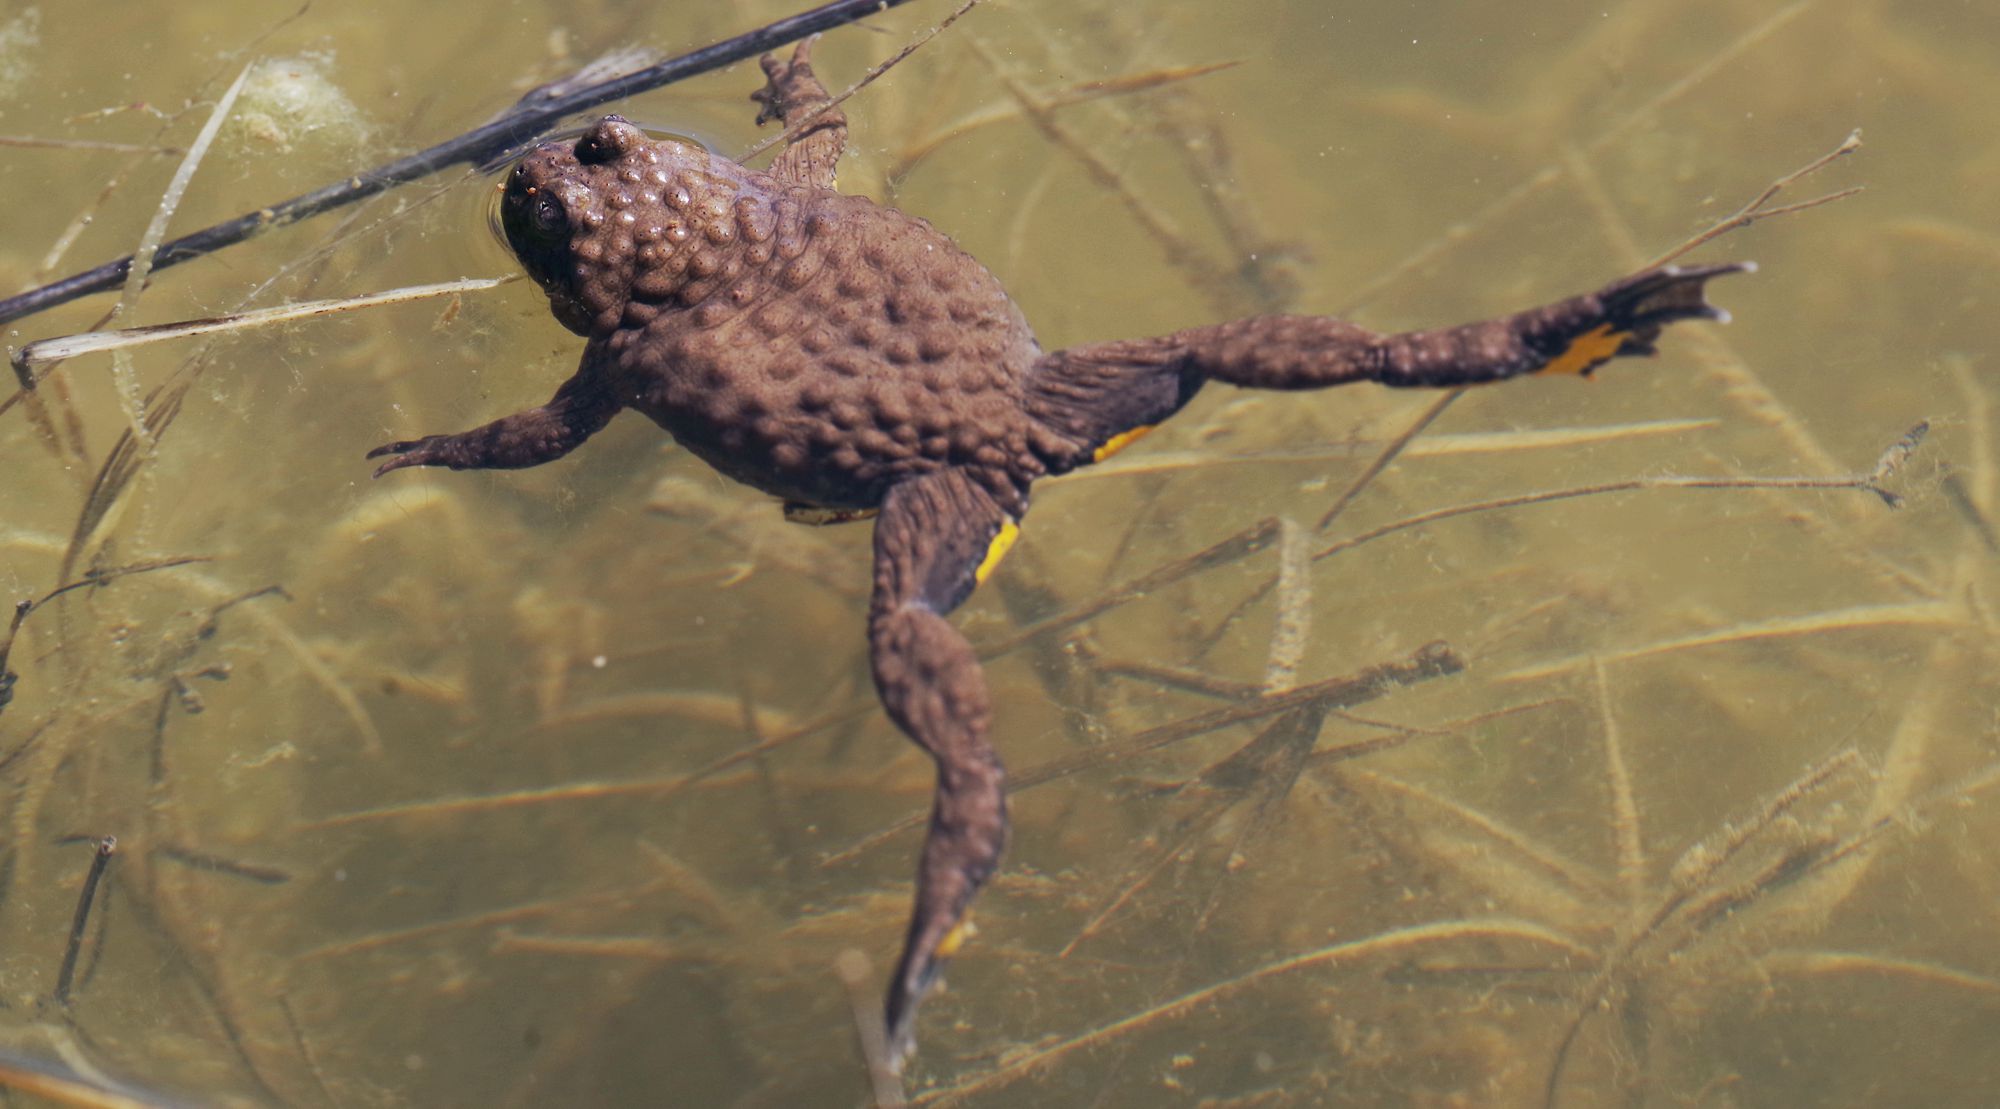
x=47, y=352
x=122, y=371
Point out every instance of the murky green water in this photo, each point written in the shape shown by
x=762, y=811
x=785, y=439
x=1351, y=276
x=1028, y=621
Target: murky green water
x=566, y=786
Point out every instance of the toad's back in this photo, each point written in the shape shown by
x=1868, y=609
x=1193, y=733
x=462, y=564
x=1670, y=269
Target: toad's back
x=815, y=345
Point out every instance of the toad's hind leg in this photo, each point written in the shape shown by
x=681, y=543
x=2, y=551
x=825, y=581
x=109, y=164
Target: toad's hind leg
x=1101, y=395
x=791, y=95
x=936, y=538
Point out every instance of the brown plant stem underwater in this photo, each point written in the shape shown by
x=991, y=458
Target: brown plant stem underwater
x=1549, y=746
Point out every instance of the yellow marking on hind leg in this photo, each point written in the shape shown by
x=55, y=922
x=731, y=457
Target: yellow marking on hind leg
x=954, y=939
x=1587, y=351
x=997, y=550
x=1119, y=442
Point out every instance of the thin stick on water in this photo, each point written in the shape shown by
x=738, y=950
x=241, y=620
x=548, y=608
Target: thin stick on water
x=529, y=118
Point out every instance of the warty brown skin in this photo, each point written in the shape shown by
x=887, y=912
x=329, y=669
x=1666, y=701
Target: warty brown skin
x=851, y=359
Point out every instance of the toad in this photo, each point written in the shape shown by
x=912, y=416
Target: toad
x=851, y=360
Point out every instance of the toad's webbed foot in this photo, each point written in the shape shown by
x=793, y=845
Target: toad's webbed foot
x=791, y=95
x=577, y=411
x=1099, y=395
x=1637, y=307
x=937, y=537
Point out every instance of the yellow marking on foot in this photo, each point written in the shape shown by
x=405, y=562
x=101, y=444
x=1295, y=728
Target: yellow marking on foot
x=997, y=550
x=954, y=939
x=1119, y=442
x=1587, y=351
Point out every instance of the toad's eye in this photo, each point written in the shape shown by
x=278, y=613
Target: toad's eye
x=549, y=215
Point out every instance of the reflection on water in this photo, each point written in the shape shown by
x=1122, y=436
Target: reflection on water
x=567, y=785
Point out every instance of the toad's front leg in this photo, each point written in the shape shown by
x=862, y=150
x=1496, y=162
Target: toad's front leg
x=578, y=410
x=792, y=95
